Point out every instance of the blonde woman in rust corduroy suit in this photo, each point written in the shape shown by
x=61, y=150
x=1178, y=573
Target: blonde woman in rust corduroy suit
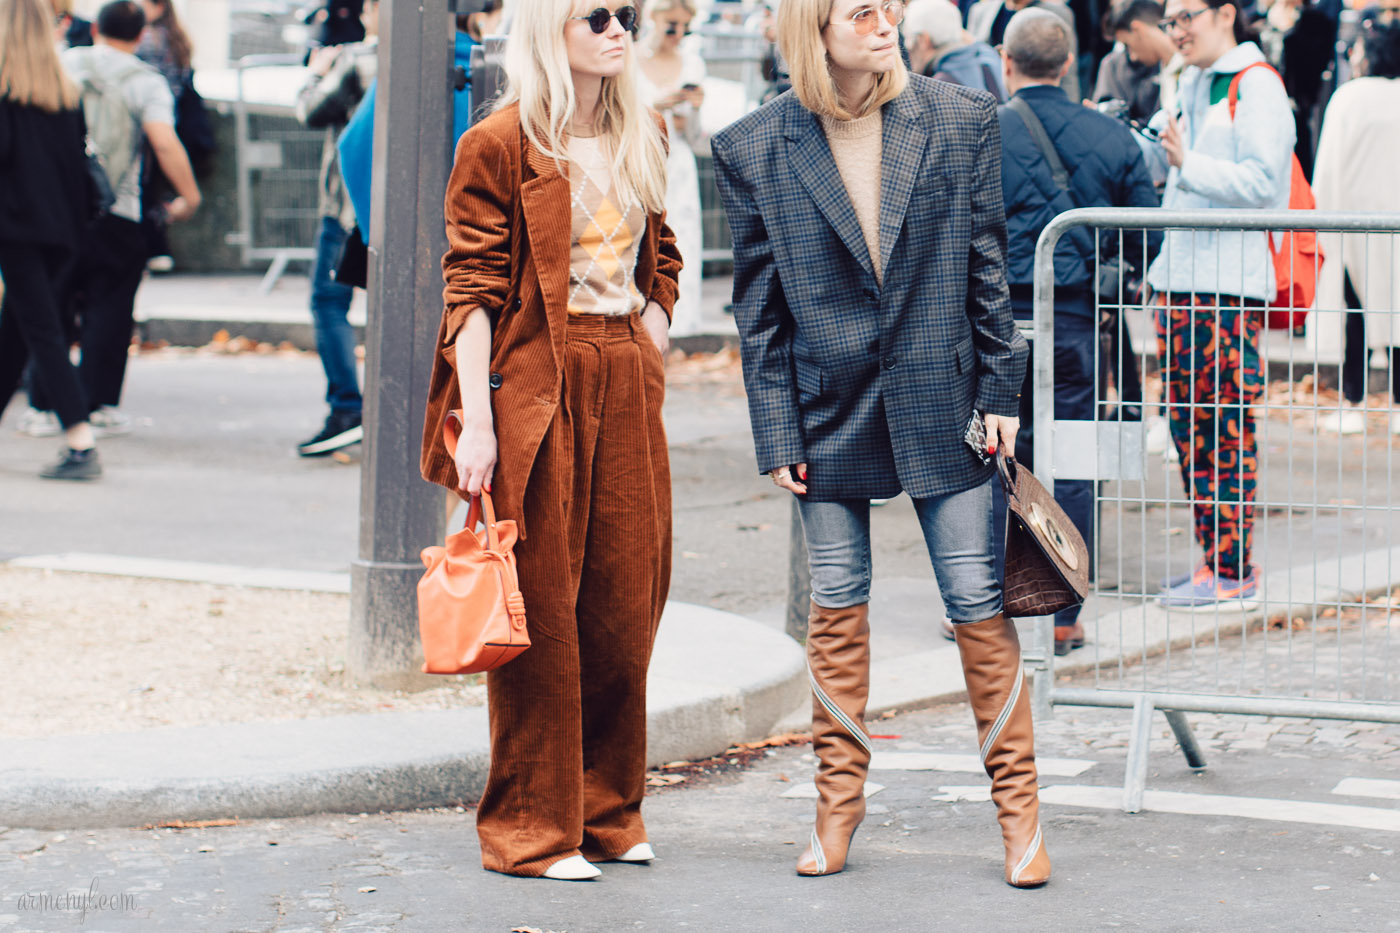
x=561, y=275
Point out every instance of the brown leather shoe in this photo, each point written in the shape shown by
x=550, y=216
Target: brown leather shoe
x=991, y=658
x=838, y=662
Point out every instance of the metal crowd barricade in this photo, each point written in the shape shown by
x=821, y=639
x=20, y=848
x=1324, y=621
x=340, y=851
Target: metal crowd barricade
x=278, y=168
x=1322, y=636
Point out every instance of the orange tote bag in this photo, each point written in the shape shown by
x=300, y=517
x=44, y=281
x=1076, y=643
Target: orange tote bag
x=471, y=616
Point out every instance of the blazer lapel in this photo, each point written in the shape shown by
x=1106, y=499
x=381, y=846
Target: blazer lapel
x=547, y=202
x=812, y=163
x=904, y=145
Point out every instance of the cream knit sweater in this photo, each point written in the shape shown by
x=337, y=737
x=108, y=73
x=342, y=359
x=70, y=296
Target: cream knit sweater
x=856, y=145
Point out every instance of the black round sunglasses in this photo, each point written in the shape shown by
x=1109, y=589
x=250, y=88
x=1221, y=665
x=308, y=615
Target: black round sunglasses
x=598, y=20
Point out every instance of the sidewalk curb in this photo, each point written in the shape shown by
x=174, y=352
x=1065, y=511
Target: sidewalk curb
x=298, y=330
x=716, y=679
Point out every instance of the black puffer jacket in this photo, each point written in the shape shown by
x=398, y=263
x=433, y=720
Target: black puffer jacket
x=1106, y=169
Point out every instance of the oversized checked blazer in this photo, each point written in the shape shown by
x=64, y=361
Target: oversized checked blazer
x=872, y=386
x=509, y=215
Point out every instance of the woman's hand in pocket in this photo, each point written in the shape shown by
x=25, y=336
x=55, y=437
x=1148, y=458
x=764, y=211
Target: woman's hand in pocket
x=658, y=327
x=476, y=454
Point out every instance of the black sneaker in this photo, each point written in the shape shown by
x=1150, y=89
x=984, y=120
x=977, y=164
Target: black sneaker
x=342, y=429
x=74, y=464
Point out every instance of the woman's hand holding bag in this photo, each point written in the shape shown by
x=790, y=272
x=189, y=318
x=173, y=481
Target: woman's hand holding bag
x=471, y=615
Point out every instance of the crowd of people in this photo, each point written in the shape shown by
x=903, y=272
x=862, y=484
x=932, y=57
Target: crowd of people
x=884, y=213
x=92, y=168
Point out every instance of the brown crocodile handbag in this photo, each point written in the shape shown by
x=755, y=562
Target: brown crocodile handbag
x=1047, y=562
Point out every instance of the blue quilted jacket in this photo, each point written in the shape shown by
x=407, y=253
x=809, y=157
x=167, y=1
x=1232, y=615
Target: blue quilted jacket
x=1106, y=169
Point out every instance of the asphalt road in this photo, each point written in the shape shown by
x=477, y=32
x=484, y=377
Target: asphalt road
x=726, y=845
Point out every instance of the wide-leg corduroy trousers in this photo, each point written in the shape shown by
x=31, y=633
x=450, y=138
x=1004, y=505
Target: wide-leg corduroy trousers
x=568, y=716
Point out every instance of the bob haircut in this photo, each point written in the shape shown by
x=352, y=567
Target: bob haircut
x=800, y=26
x=538, y=78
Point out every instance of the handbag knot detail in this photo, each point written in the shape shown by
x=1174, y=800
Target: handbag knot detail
x=471, y=613
x=515, y=605
x=1047, y=562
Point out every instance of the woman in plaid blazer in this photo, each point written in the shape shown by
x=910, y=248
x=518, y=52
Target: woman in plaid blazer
x=871, y=298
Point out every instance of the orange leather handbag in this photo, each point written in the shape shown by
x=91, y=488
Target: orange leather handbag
x=471, y=616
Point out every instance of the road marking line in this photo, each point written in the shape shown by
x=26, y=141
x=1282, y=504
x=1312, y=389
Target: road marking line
x=189, y=571
x=1368, y=787
x=1253, y=808
x=808, y=791
x=971, y=793
x=938, y=761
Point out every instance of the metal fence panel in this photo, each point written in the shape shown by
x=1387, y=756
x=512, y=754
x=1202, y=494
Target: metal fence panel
x=279, y=163
x=1320, y=637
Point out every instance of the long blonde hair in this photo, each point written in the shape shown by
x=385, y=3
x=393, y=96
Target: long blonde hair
x=538, y=78
x=800, y=25
x=30, y=73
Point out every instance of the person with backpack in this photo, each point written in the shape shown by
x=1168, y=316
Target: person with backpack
x=41, y=223
x=1057, y=155
x=129, y=109
x=940, y=48
x=1230, y=145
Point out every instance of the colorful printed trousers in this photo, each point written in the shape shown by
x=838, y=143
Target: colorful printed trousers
x=1212, y=375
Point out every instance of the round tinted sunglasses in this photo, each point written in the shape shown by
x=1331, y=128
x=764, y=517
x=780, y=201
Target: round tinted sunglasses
x=599, y=19
x=865, y=20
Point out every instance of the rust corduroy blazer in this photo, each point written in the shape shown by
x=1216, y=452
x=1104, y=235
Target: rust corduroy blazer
x=509, y=235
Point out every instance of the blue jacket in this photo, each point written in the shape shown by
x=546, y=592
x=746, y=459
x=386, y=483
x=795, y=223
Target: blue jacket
x=1106, y=169
x=356, y=143
x=872, y=383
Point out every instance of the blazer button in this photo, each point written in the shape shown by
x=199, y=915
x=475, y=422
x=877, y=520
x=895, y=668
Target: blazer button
x=890, y=361
x=871, y=297
x=495, y=381
x=515, y=305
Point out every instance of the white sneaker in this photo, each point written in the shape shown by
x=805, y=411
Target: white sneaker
x=1395, y=423
x=36, y=423
x=108, y=421
x=1349, y=420
x=573, y=868
x=159, y=265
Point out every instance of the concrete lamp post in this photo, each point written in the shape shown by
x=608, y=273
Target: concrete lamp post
x=400, y=513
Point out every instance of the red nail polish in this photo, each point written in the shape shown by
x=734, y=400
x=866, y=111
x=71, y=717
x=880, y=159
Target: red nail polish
x=486, y=486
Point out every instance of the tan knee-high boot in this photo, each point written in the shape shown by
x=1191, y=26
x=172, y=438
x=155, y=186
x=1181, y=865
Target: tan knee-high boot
x=991, y=659
x=838, y=660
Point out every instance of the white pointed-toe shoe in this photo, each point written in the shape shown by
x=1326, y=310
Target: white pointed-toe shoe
x=641, y=852
x=573, y=868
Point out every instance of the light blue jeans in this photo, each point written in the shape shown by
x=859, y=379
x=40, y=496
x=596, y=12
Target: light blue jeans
x=957, y=530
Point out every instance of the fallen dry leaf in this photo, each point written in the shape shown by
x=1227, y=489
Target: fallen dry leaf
x=191, y=824
x=776, y=741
